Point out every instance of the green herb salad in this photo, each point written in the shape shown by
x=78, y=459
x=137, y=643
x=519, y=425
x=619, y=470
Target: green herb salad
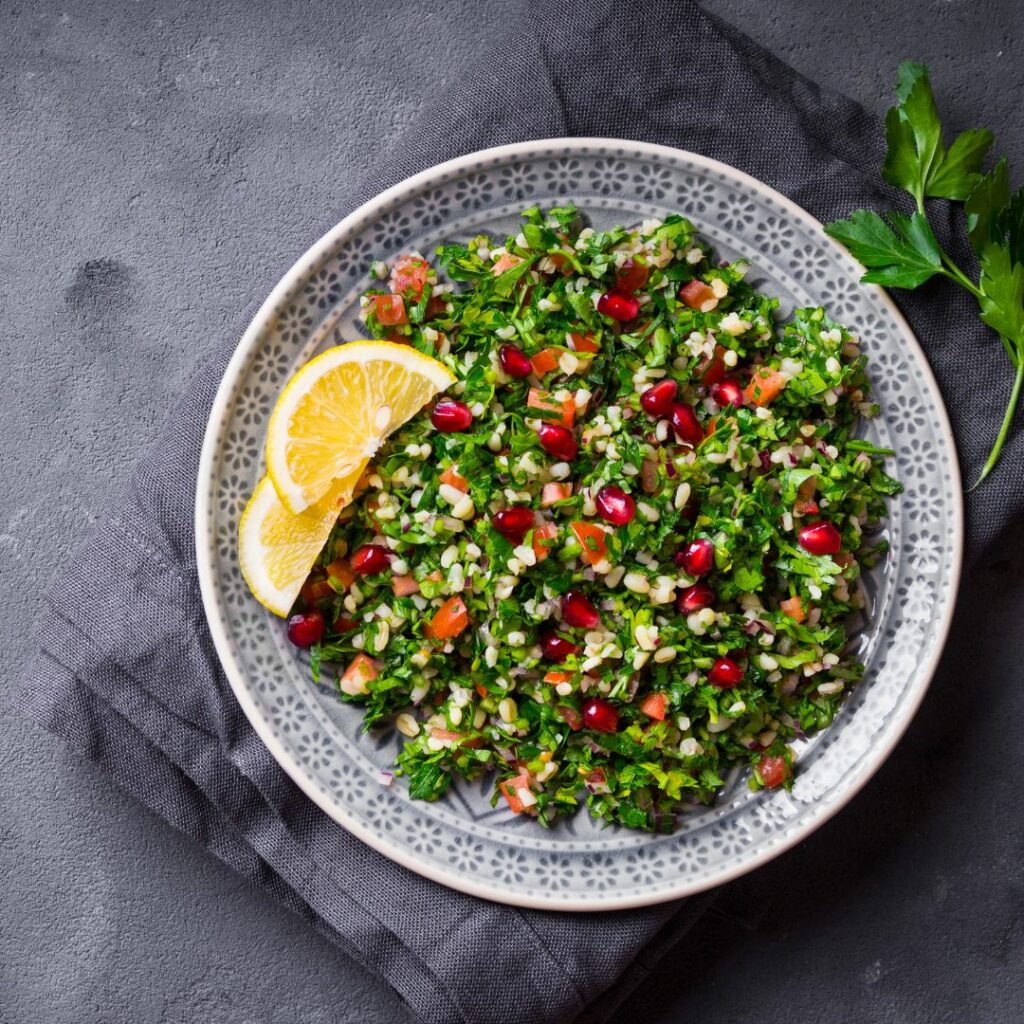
x=618, y=558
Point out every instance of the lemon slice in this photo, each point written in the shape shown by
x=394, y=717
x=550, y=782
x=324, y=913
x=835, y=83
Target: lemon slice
x=337, y=409
x=276, y=548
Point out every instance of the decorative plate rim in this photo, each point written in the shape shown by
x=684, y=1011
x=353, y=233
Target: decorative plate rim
x=336, y=809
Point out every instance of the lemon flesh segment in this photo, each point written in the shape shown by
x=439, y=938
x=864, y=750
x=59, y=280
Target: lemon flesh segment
x=277, y=548
x=337, y=409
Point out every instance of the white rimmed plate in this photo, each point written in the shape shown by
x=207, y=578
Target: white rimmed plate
x=462, y=841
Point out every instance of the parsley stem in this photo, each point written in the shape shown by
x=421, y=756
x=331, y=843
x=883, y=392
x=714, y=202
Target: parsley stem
x=1004, y=429
x=954, y=273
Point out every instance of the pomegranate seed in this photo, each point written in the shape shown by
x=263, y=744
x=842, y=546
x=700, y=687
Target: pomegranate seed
x=697, y=558
x=615, y=505
x=344, y=624
x=451, y=416
x=692, y=599
x=618, y=305
x=712, y=369
x=513, y=523
x=631, y=276
x=577, y=611
x=599, y=715
x=727, y=392
x=558, y=441
x=557, y=648
x=725, y=674
x=820, y=539
x=370, y=559
x=686, y=425
x=514, y=361
x=306, y=629
x=657, y=400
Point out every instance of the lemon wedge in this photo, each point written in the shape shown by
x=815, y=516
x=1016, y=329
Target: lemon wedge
x=276, y=548
x=336, y=411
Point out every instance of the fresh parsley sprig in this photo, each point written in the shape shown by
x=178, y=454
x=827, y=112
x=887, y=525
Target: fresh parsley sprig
x=901, y=251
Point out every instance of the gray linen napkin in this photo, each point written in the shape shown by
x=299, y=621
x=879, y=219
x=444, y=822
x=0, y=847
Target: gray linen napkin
x=128, y=675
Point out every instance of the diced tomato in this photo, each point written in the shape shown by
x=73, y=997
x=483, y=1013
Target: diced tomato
x=481, y=690
x=506, y=261
x=361, y=670
x=555, y=677
x=445, y=735
x=545, y=361
x=437, y=305
x=390, y=309
x=409, y=275
x=699, y=296
x=843, y=559
x=451, y=477
x=711, y=426
x=551, y=493
x=794, y=608
x=764, y=386
x=570, y=716
x=773, y=771
x=806, y=508
x=713, y=368
x=583, y=343
x=403, y=586
x=544, y=402
x=562, y=262
x=341, y=573
x=513, y=789
x=450, y=620
x=632, y=276
x=544, y=539
x=316, y=588
x=592, y=539
x=653, y=705
x=344, y=624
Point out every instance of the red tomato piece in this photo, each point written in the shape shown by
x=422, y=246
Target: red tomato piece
x=390, y=310
x=409, y=276
x=450, y=620
x=794, y=608
x=592, y=539
x=554, y=492
x=513, y=790
x=543, y=401
x=545, y=361
x=773, y=771
x=451, y=477
x=699, y=296
x=583, y=343
x=764, y=386
x=653, y=705
x=544, y=539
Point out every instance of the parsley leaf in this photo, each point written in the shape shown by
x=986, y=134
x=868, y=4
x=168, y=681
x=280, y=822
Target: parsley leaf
x=1002, y=286
x=986, y=201
x=917, y=159
x=902, y=253
x=1008, y=228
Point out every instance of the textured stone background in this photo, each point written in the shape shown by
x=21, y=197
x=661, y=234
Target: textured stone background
x=160, y=166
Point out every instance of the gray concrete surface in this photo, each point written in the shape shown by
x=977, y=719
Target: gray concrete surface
x=160, y=166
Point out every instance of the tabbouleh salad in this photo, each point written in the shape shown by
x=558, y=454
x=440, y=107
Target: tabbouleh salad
x=617, y=559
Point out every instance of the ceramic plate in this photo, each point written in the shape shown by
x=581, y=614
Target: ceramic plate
x=462, y=841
